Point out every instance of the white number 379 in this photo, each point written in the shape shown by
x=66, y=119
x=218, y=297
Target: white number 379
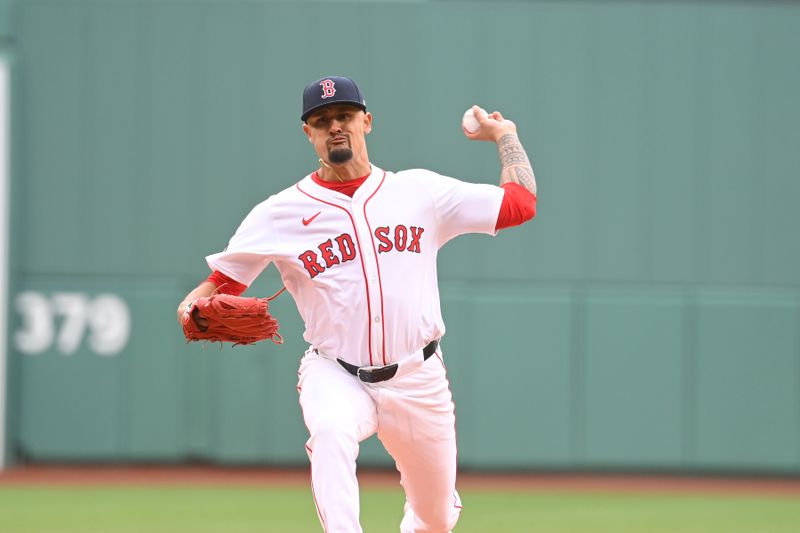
x=105, y=317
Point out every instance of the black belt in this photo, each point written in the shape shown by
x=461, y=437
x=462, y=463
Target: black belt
x=376, y=374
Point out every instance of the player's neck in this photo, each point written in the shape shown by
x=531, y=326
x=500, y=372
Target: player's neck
x=344, y=172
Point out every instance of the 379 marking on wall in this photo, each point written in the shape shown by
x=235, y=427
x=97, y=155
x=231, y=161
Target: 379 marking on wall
x=64, y=319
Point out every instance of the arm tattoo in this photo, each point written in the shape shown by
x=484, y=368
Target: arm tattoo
x=514, y=164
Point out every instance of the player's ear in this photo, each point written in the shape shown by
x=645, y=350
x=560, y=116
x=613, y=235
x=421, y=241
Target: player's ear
x=307, y=131
x=367, y=122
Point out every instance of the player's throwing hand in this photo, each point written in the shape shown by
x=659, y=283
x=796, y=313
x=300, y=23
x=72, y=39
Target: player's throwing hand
x=491, y=126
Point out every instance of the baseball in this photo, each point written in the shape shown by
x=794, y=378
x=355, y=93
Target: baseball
x=469, y=122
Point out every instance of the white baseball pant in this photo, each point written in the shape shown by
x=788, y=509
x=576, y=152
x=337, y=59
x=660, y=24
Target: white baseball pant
x=414, y=418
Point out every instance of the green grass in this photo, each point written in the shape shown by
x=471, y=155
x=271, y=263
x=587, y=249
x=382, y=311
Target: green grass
x=290, y=510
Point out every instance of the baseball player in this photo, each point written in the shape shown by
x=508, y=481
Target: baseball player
x=356, y=248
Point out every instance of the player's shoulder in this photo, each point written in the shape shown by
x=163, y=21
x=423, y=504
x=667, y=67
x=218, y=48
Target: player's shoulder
x=289, y=194
x=285, y=196
x=418, y=176
x=415, y=173
x=426, y=179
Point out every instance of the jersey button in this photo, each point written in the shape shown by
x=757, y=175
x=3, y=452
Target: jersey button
x=377, y=319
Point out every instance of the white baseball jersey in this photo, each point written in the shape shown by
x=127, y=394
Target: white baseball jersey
x=362, y=270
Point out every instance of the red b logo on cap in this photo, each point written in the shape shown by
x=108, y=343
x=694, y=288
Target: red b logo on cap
x=328, y=88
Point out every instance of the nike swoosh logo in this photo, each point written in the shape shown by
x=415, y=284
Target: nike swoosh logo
x=307, y=221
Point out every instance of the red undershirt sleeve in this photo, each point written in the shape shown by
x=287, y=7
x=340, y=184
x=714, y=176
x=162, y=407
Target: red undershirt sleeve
x=226, y=285
x=519, y=206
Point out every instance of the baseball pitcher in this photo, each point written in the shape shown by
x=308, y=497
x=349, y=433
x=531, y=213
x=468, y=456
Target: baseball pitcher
x=356, y=247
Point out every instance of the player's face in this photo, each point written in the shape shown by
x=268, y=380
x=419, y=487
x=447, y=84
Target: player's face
x=338, y=132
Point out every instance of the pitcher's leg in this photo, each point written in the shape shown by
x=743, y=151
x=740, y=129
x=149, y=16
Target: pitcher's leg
x=338, y=414
x=433, y=504
x=417, y=427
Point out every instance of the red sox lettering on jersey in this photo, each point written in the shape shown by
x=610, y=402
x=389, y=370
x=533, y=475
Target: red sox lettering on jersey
x=362, y=270
x=341, y=249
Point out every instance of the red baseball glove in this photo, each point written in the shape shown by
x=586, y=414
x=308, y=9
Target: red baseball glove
x=228, y=318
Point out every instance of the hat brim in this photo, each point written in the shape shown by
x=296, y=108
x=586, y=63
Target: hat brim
x=314, y=109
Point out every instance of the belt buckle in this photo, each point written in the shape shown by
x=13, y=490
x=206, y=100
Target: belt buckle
x=367, y=376
x=376, y=374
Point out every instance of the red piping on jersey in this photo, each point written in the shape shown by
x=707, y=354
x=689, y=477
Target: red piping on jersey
x=378, y=265
x=447, y=379
x=363, y=268
x=313, y=493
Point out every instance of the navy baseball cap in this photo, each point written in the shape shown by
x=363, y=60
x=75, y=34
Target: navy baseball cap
x=331, y=90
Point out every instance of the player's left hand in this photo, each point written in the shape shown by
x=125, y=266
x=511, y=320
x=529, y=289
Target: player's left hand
x=191, y=312
x=493, y=126
x=228, y=318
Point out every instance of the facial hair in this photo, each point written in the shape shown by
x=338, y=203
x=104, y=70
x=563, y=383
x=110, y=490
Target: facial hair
x=340, y=155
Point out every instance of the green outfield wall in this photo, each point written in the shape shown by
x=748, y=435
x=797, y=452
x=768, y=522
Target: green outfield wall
x=648, y=319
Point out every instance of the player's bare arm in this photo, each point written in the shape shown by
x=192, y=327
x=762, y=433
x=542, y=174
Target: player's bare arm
x=515, y=167
x=514, y=163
